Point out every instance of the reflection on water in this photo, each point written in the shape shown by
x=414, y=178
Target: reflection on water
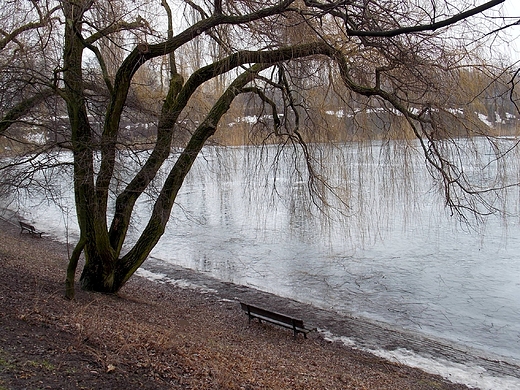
x=394, y=255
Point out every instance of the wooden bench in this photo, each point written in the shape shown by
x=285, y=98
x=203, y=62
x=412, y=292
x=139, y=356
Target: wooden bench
x=275, y=318
x=25, y=227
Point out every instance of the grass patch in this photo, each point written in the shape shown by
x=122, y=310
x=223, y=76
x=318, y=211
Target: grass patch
x=43, y=364
x=5, y=363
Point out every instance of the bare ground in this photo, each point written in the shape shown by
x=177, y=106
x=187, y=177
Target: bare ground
x=158, y=336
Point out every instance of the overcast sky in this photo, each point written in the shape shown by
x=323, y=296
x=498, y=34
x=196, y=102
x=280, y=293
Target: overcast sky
x=512, y=9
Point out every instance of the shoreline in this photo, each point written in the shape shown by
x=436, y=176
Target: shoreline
x=220, y=300
x=378, y=338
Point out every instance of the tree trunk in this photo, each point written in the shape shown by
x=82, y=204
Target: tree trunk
x=99, y=258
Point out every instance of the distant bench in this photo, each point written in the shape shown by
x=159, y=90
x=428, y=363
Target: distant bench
x=275, y=318
x=25, y=227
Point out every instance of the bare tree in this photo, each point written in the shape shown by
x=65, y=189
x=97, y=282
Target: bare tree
x=389, y=55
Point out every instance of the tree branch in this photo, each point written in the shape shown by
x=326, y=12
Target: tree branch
x=23, y=108
x=116, y=27
x=426, y=27
x=44, y=19
x=161, y=151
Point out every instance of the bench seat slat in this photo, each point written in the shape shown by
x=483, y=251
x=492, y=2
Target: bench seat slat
x=284, y=324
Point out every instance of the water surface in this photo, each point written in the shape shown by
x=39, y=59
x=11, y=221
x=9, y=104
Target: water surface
x=394, y=255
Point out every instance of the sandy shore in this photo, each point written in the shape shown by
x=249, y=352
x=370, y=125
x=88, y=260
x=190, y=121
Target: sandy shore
x=162, y=336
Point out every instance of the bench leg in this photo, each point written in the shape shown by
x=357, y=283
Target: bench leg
x=294, y=329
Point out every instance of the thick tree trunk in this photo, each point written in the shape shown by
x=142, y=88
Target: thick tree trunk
x=98, y=272
x=99, y=275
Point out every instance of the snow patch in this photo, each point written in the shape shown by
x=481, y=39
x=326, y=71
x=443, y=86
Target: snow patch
x=181, y=283
x=471, y=376
x=484, y=118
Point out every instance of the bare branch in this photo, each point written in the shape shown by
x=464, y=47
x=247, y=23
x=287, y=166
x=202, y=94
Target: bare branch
x=44, y=21
x=23, y=108
x=426, y=27
x=116, y=27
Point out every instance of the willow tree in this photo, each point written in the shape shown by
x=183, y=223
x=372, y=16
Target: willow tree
x=394, y=55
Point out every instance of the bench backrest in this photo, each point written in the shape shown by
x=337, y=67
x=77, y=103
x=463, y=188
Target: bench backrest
x=270, y=314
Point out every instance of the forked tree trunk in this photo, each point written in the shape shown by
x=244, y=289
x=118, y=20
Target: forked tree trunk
x=99, y=272
x=104, y=272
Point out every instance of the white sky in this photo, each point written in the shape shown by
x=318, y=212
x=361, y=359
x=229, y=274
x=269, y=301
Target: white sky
x=512, y=9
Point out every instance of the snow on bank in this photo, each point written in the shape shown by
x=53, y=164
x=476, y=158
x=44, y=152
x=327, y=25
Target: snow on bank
x=181, y=283
x=471, y=376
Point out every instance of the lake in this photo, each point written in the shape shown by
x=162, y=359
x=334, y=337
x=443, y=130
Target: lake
x=395, y=254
